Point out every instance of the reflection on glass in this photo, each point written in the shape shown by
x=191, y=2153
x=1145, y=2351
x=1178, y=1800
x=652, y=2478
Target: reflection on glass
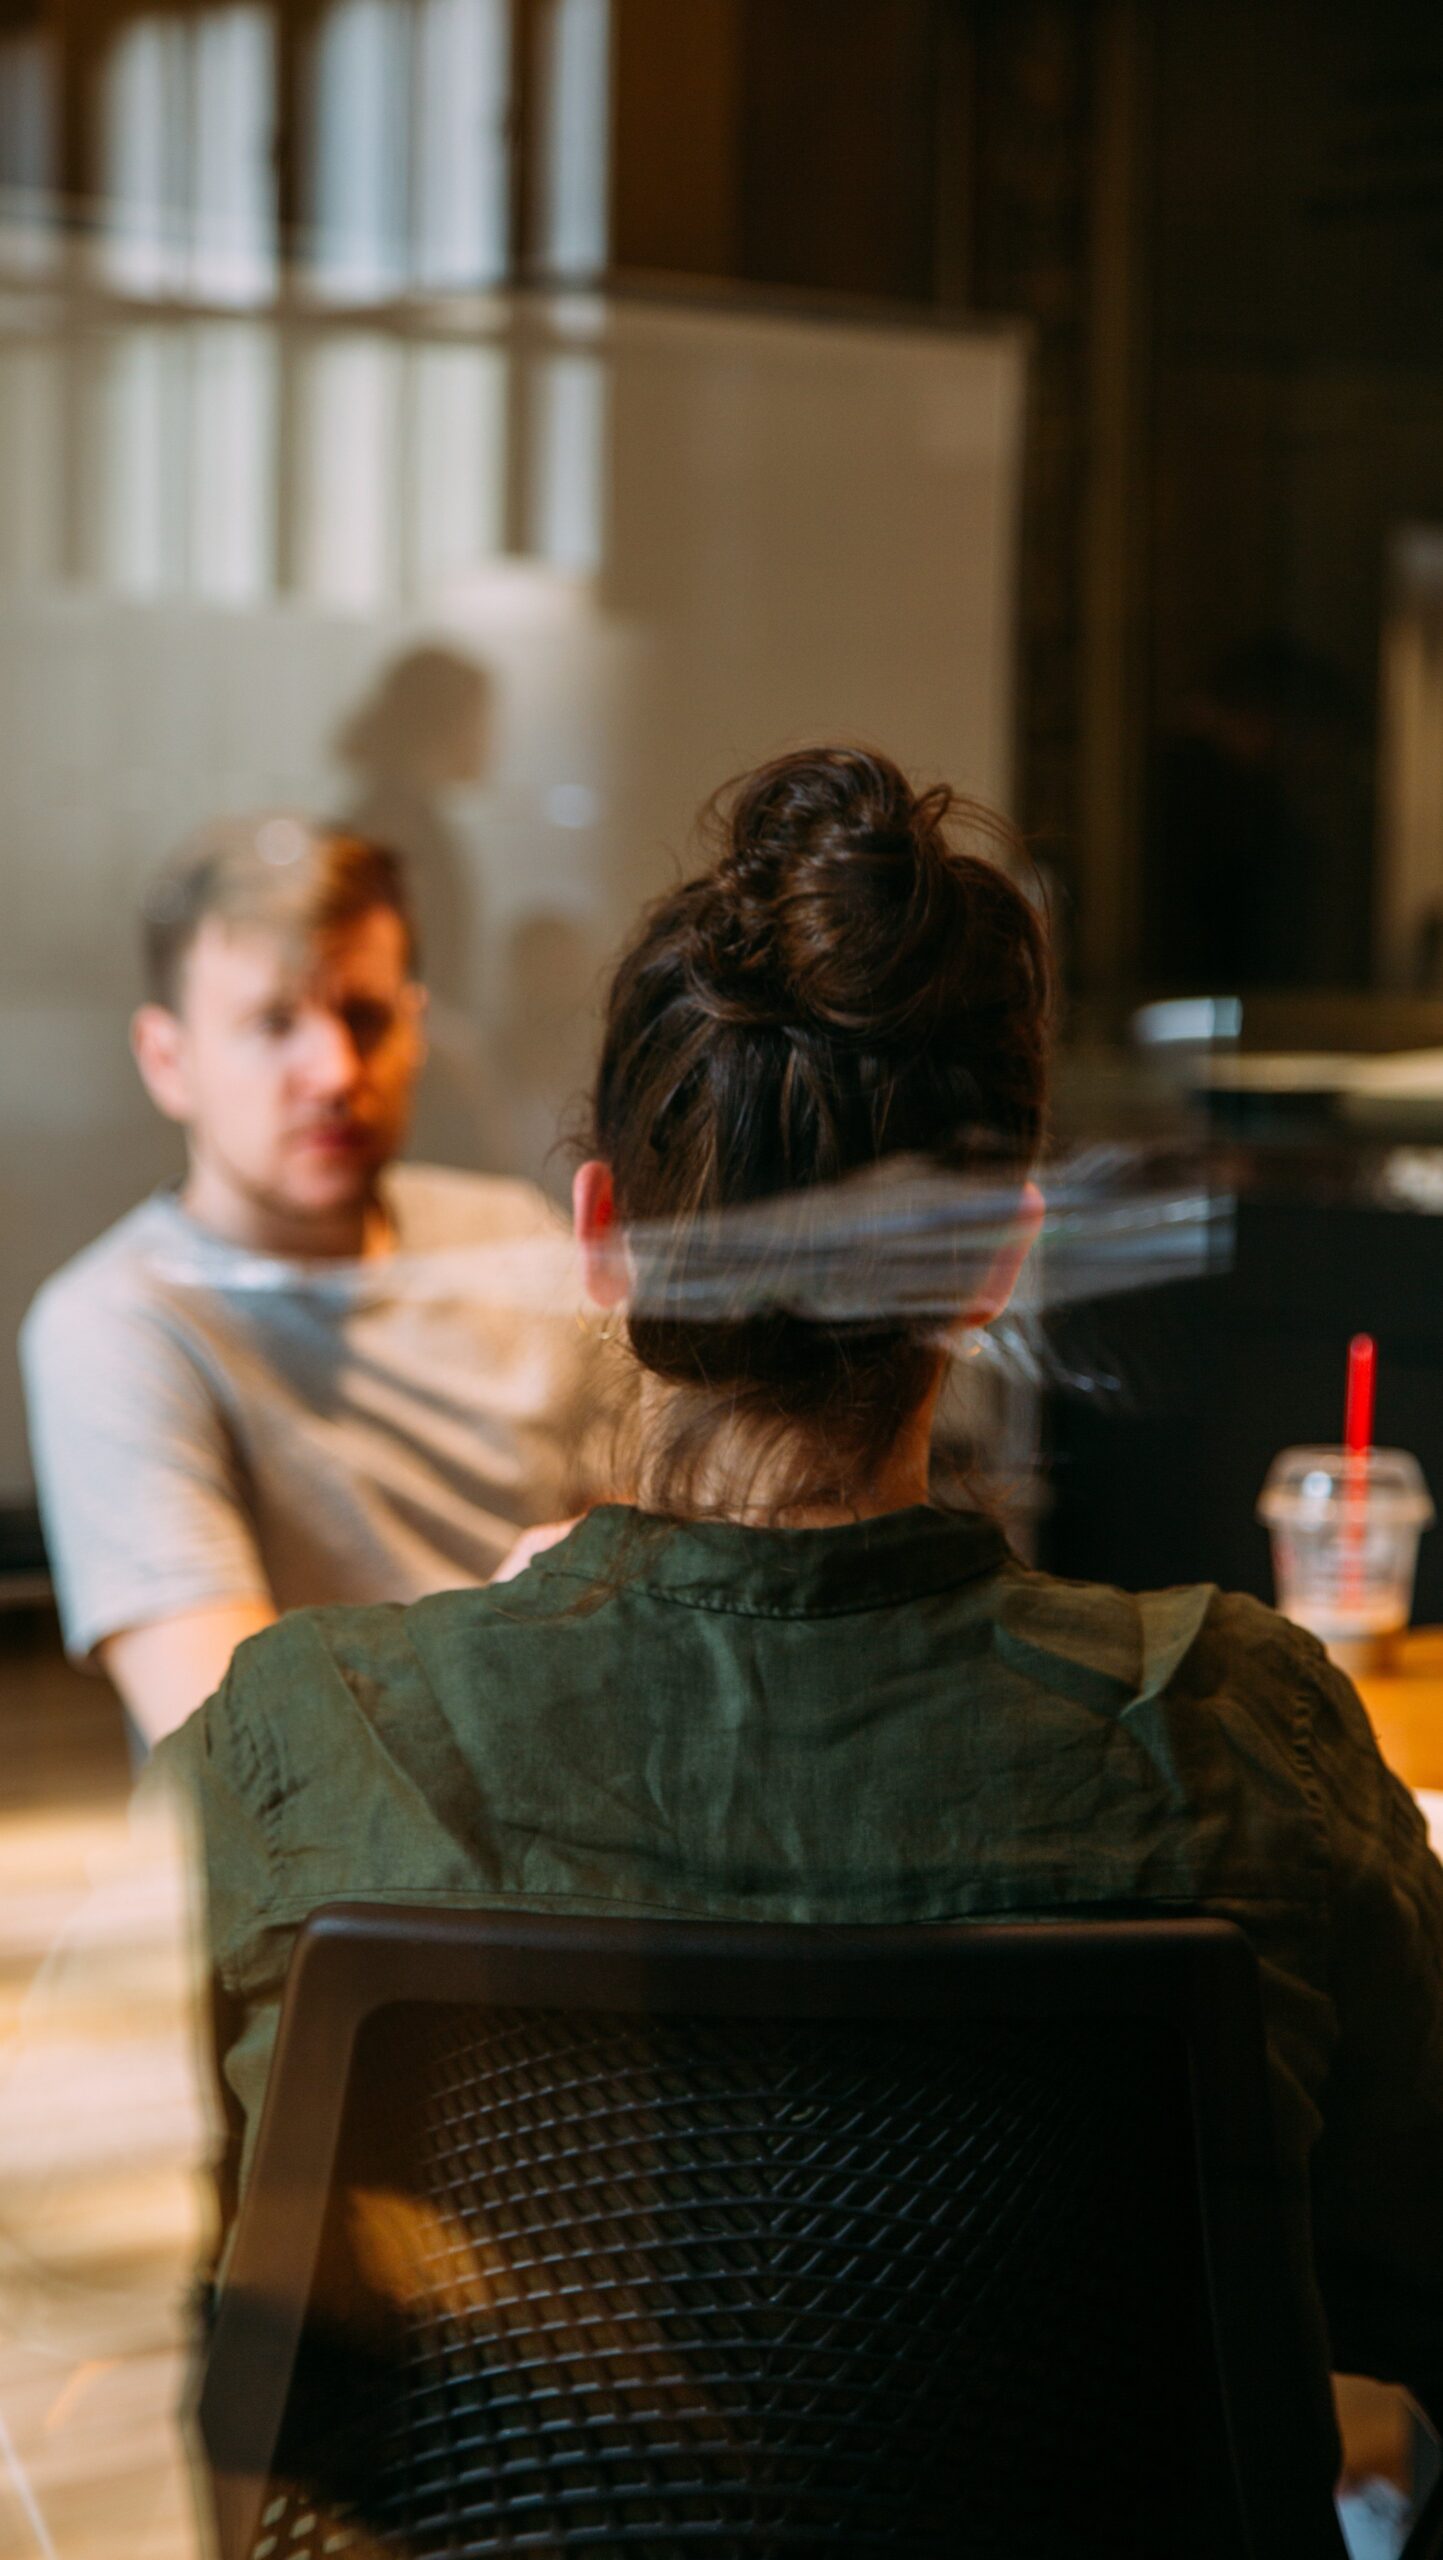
x=31, y=452
x=140, y=456
x=181, y=461
x=27, y=143
x=396, y=482
x=575, y=130
x=463, y=91
x=146, y=112
x=457, y=461
x=232, y=461
x=422, y=732
x=411, y=173
x=569, y=414
x=362, y=88
x=187, y=184
x=350, y=414
x=233, y=253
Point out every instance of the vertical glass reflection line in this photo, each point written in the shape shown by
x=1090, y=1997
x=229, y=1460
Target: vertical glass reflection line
x=233, y=211
x=32, y=461
x=27, y=147
x=568, y=423
x=233, y=459
x=350, y=409
x=455, y=462
x=143, y=458
x=361, y=146
x=145, y=151
x=574, y=137
x=460, y=143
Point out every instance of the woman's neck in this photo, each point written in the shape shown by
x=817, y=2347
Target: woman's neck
x=734, y=1479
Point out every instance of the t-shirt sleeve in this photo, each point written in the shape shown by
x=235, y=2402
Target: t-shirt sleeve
x=1378, y=2166
x=137, y=1478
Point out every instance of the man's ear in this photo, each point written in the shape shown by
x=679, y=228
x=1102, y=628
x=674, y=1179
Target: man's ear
x=1002, y=1278
x=603, y=1255
x=157, y=1044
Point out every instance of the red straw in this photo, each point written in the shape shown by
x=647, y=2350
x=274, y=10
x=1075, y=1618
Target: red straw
x=1358, y=1414
x=1357, y=1441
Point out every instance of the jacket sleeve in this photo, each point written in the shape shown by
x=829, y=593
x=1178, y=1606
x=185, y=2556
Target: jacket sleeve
x=222, y=1766
x=1378, y=2165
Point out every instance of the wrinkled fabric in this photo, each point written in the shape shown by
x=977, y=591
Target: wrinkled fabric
x=893, y=1720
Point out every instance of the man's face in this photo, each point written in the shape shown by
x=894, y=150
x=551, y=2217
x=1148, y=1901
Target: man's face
x=291, y=1070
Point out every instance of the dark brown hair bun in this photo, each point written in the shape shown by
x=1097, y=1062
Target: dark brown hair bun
x=837, y=887
x=856, y=977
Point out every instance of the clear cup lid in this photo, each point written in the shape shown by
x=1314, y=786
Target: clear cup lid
x=1304, y=1484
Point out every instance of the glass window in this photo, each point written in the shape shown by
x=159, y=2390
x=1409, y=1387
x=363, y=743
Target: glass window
x=186, y=176
x=32, y=444
x=232, y=460
x=574, y=137
x=347, y=521
x=567, y=457
x=27, y=144
x=411, y=158
x=361, y=176
x=457, y=461
x=463, y=89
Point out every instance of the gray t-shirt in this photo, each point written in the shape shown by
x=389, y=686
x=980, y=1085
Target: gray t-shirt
x=209, y=1424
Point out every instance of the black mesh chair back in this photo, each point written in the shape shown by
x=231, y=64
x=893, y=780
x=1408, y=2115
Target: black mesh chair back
x=583, y=2237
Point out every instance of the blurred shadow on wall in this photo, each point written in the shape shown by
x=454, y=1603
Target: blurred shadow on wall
x=422, y=732
x=545, y=1045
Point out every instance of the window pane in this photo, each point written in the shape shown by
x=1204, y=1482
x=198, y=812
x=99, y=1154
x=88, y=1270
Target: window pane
x=233, y=201
x=233, y=461
x=574, y=135
x=457, y=461
x=145, y=157
x=141, y=454
x=569, y=417
x=27, y=145
x=32, y=461
x=363, y=117
x=347, y=525
x=460, y=136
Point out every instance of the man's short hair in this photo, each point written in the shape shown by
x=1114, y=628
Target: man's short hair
x=277, y=870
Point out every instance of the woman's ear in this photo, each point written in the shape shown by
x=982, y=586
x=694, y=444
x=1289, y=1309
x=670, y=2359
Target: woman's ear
x=1001, y=1279
x=603, y=1255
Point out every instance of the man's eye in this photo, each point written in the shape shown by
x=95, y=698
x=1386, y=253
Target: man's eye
x=368, y=1024
x=276, y=1021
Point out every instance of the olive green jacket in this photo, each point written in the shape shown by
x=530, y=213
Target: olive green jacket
x=889, y=1721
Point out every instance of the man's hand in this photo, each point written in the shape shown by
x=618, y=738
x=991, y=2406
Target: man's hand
x=530, y=1544
x=166, y=1670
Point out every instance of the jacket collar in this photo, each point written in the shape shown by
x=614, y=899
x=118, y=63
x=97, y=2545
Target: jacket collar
x=780, y=1573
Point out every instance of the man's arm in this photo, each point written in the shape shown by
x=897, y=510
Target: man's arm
x=155, y=1559
x=165, y=1671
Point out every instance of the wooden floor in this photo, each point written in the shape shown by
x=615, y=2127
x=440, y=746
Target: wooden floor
x=103, y=2130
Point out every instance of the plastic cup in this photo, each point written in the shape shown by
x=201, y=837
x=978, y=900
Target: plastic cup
x=1345, y=1528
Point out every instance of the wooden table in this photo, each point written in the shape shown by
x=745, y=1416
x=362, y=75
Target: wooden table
x=1406, y=1708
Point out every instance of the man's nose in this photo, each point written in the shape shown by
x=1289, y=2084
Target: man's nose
x=330, y=1060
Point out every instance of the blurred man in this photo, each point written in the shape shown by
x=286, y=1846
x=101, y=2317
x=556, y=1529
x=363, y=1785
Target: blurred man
x=290, y=1380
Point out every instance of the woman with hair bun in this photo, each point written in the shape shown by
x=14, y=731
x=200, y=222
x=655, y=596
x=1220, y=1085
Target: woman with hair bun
x=781, y=1684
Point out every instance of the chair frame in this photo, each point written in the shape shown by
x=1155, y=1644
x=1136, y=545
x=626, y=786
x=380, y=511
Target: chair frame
x=352, y=1959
